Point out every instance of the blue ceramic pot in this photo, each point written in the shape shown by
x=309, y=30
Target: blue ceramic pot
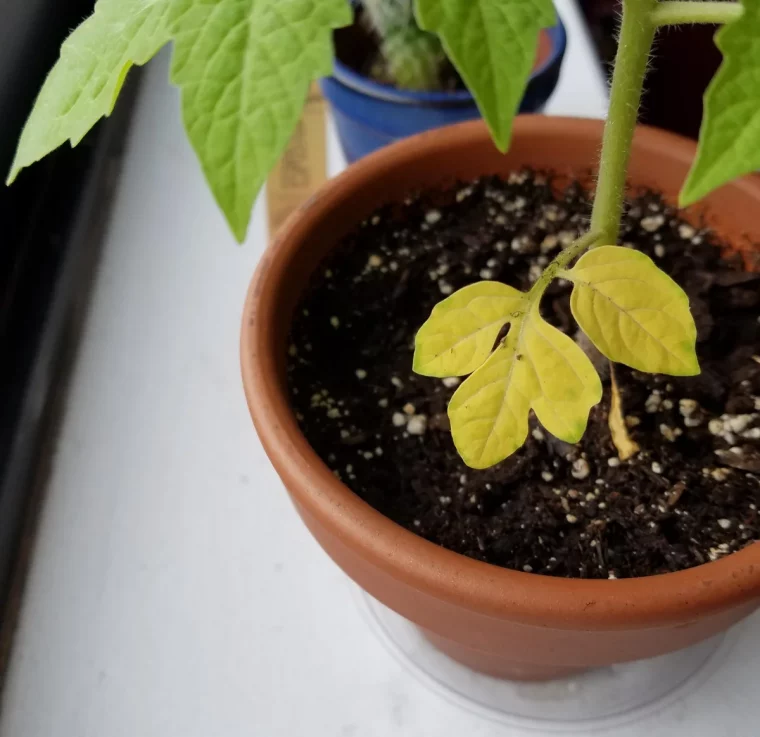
x=369, y=115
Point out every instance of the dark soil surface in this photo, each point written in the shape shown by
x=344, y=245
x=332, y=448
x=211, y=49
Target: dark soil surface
x=689, y=496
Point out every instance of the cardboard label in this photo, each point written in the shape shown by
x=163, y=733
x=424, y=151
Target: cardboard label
x=303, y=166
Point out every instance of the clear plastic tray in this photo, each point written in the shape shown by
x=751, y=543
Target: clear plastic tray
x=604, y=698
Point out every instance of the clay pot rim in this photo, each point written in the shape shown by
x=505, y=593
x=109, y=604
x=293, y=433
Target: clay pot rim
x=490, y=590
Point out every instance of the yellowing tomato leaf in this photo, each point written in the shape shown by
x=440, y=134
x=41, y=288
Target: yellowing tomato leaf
x=570, y=383
x=728, y=139
x=244, y=68
x=493, y=45
x=84, y=83
x=565, y=420
x=461, y=330
x=626, y=446
x=633, y=312
x=535, y=367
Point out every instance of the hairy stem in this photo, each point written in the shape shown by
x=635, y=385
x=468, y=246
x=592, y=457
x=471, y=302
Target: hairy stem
x=636, y=36
x=671, y=12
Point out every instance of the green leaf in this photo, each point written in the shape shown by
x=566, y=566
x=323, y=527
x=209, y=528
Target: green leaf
x=244, y=68
x=83, y=85
x=535, y=367
x=493, y=45
x=633, y=312
x=461, y=330
x=728, y=139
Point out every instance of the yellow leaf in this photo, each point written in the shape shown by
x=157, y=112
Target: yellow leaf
x=535, y=367
x=633, y=312
x=626, y=446
x=565, y=420
x=461, y=330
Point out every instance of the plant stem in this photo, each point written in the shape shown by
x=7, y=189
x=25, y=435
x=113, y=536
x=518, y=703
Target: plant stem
x=671, y=12
x=636, y=36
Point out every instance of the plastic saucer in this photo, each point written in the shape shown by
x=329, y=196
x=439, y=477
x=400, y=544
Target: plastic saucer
x=598, y=699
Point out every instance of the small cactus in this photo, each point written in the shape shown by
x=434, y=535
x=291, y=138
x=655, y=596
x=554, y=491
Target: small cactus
x=410, y=57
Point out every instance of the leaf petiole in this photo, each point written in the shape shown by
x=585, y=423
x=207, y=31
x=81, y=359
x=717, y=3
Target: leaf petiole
x=560, y=261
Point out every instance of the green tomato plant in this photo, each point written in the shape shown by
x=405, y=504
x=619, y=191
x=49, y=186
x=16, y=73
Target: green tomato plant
x=243, y=68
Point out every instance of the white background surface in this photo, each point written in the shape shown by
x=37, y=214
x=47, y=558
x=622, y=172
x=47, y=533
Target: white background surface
x=173, y=591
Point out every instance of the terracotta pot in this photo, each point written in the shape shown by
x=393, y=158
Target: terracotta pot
x=501, y=622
